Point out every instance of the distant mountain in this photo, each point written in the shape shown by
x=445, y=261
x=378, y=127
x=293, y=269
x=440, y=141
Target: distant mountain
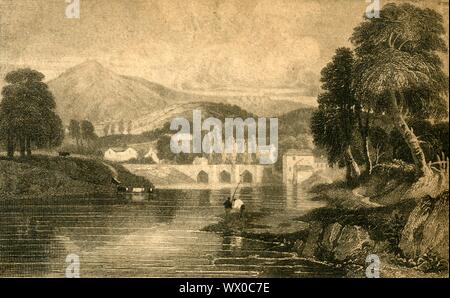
x=91, y=91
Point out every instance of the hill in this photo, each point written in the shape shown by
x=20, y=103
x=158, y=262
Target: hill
x=90, y=91
x=93, y=92
x=151, y=127
x=48, y=176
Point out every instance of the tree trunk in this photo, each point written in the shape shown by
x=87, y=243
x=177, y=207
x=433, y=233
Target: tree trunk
x=22, y=146
x=409, y=137
x=364, y=131
x=28, y=146
x=353, y=171
x=10, y=146
x=367, y=157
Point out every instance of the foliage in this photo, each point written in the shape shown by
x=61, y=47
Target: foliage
x=380, y=143
x=333, y=125
x=392, y=231
x=398, y=69
x=75, y=130
x=433, y=140
x=397, y=169
x=87, y=131
x=27, y=113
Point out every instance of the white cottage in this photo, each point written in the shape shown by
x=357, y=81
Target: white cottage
x=121, y=154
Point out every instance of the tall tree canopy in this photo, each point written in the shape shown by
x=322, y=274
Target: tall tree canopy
x=398, y=70
x=27, y=113
x=75, y=130
x=334, y=123
x=87, y=131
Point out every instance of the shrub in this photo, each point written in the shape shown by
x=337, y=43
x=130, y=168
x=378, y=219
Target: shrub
x=395, y=170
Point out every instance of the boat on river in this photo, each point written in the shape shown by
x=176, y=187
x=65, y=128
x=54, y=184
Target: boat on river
x=134, y=190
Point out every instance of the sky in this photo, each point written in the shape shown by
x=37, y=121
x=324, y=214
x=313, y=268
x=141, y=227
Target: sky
x=193, y=44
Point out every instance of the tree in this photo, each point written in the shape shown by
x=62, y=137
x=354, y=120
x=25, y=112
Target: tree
x=27, y=112
x=121, y=127
x=106, y=129
x=379, y=139
x=331, y=138
x=52, y=135
x=363, y=118
x=398, y=70
x=129, y=127
x=75, y=130
x=87, y=131
x=334, y=123
x=433, y=140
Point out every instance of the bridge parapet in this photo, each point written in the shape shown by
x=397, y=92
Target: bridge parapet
x=211, y=174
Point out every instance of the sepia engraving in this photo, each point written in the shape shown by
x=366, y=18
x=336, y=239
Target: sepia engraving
x=228, y=138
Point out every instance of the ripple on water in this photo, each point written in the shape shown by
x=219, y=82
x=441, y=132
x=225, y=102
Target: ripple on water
x=159, y=237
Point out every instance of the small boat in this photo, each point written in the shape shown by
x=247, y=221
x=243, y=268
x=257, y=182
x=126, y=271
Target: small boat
x=135, y=190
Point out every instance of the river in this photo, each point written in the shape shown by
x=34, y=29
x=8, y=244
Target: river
x=147, y=237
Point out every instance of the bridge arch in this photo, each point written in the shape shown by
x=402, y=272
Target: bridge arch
x=225, y=177
x=247, y=177
x=202, y=177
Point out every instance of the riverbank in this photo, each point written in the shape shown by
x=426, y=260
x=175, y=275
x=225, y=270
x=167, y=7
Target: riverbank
x=381, y=216
x=43, y=176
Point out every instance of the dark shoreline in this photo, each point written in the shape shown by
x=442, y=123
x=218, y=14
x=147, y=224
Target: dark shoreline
x=301, y=235
x=54, y=177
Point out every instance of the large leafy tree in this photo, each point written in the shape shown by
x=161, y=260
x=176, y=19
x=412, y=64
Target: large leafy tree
x=27, y=113
x=334, y=123
x=87, y=131
x=398, y=70
x=75, y=131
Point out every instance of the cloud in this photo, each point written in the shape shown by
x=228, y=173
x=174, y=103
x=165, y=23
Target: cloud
x=186, y=44
x=261, y=54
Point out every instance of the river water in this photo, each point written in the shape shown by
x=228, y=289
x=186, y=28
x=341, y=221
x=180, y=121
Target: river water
x=147, y=237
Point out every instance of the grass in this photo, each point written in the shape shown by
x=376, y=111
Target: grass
x=54, y=176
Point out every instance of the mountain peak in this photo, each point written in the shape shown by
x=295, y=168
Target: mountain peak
x=91, y=65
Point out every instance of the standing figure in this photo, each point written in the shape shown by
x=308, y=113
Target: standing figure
x=238, y=204
x=228, y=205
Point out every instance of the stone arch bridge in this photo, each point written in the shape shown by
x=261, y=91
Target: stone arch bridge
x=205, y=174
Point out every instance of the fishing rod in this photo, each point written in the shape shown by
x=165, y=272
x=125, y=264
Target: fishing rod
x=232, y=197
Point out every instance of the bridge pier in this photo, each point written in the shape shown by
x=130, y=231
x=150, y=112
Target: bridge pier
x=211, y=174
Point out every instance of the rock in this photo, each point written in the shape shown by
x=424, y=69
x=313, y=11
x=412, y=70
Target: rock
x=351, y=239
x=312, y=240
x=282, y=230
x=426, y=230
x=330, y=236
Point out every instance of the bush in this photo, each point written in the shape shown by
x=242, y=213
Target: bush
x=395, y=170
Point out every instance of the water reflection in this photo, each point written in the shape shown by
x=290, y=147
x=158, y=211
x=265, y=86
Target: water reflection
x=27, y=241
x=141, y=236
